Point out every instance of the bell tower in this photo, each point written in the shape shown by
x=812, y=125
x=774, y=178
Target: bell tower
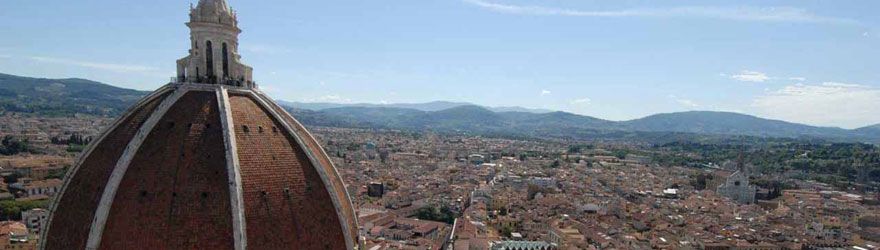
x=213, y=56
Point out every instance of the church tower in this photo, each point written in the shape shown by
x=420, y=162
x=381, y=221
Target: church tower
x=207, y=161
x=213, y=56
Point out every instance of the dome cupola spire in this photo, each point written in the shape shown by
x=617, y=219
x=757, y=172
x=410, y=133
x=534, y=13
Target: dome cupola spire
x=214, y=58
x=220, y=4
x=213, y=11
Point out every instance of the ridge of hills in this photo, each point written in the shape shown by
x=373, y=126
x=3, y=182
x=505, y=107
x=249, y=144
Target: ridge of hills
x=67, y=97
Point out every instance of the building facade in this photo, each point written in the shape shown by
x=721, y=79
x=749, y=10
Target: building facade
x=738, y=188
x=35, y=219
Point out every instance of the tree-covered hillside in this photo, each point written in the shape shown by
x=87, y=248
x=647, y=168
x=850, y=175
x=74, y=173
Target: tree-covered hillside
x=63, y=97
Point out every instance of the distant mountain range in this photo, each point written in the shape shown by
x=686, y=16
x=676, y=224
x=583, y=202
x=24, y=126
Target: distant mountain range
x=429, y=106
x=705, y=122
x=72, y=96
x=63, y=97
x=869, y=129
x=476, y=119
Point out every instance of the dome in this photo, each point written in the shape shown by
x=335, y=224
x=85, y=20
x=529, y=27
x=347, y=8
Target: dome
x=199, y=166
x=220, y=5
x=213, y=11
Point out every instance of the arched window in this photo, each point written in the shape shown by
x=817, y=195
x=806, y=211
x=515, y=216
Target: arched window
x=209, y=54
x=225, y=61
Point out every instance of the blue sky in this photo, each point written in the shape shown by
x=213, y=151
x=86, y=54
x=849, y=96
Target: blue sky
x=813, y=62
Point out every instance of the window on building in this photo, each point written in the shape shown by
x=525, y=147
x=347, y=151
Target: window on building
x=225, y=61
x=209, y=54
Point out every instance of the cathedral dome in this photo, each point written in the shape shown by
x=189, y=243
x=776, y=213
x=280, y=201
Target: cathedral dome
x=205, y=162
x=198, y=166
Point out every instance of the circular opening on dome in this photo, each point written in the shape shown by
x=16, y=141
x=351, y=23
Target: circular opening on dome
x=204, y=195
x=143, y=193
x=261, y=129
x=170, y=125
x=246, y=128
x=207, y=125
x=173, y=194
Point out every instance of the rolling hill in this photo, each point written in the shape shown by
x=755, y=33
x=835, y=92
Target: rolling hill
x=727, y=123
x=468, y=118
x=476, y=119
x=63, y=97
x=869, y=129
x=428, y=106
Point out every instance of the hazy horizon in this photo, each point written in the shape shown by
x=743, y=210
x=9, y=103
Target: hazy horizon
x=802, y=62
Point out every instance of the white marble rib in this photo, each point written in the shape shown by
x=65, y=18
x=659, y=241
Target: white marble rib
x=100, y=220
x=349, y=242
x=234, y=171
x=88, y=151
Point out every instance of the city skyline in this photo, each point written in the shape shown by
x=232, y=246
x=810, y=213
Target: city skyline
x=799, y=62
x=362, y=136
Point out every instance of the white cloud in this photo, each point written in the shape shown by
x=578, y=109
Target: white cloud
x=755, y=76
x=683, y=101
x=775, y=14
x=582, y=101
x=545, y=92
x=827, y=104
x=749, y=76
x=331, y=98
x=687, y=102
x=842, y=85
x=119, y=68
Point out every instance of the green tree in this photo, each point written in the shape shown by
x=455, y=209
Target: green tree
x=10, y=209
x=11, y=178
x=444, y=215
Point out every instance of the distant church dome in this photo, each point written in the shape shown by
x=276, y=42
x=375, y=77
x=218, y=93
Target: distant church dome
x=204, y=163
